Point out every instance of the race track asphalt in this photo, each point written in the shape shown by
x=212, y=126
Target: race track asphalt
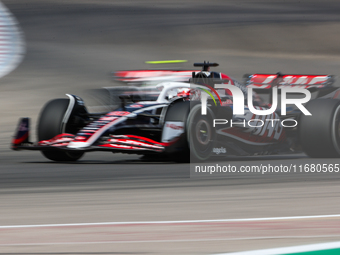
x=72, y=47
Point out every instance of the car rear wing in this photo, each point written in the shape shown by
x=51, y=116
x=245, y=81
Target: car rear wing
x=267, y=81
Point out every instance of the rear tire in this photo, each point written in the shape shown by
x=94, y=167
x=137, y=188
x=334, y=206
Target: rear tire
x=319, y=134
x=201, y=134
x=50, y=125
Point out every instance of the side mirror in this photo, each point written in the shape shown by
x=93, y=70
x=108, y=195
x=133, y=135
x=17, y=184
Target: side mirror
x=123, y=98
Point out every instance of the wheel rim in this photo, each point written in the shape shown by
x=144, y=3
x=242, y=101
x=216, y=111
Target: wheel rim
x=203, y=133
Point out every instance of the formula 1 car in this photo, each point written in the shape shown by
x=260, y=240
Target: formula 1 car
x=172, y=119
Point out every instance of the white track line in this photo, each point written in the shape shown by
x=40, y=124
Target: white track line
x=173, y=241
x=289, y=250
x=171, y=222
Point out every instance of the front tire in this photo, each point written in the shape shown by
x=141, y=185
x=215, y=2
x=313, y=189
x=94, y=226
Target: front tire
x=50, y=124
x=178, y=111
x=320, y=133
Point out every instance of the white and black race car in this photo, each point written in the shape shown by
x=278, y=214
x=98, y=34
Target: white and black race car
x=168, y=119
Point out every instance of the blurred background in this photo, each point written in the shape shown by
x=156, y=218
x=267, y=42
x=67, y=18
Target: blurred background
x=72, y=46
